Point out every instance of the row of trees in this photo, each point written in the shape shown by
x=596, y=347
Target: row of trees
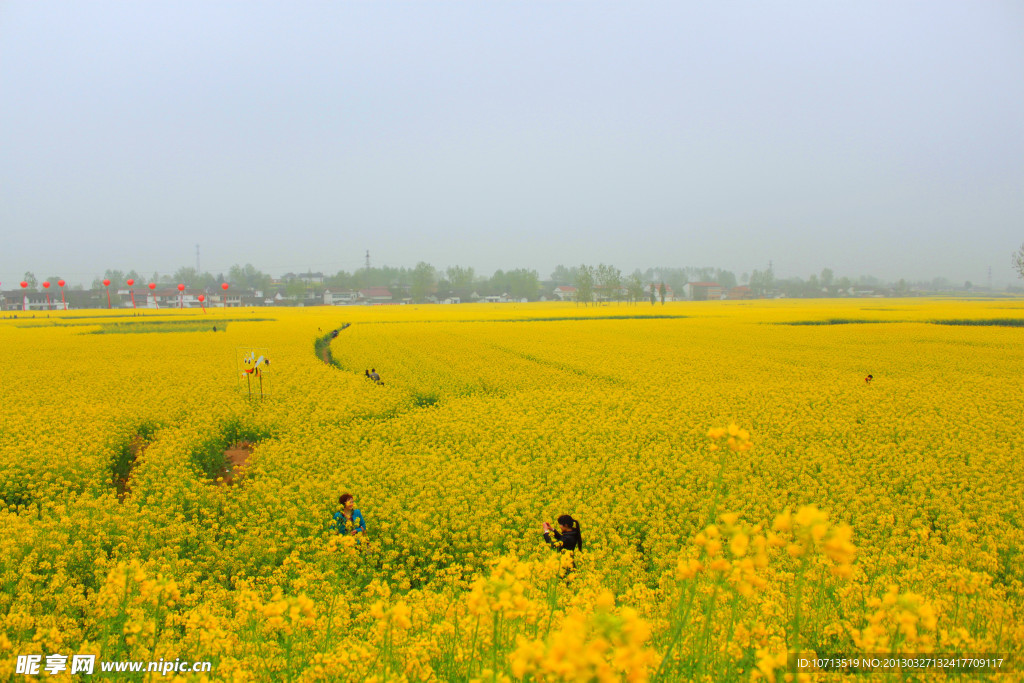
x=592, y=282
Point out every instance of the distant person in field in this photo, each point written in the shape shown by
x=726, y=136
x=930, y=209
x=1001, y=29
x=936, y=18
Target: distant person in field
x=349, y=520
x=367, y=374
x=374, y=376
x=867, y=380
x=568, y=538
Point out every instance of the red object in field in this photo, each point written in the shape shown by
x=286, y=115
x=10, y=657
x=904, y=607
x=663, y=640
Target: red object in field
x=181, y=296
x=152, y=285
x=60, y=283
x=181, y=288
x=224, y=286
x=131, y=281
x=46, y=285
x=24, y=284
x=106, y=282
x=202, y=298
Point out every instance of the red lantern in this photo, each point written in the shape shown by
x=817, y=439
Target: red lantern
x=46, y=285
x=24, y=284
x=106, y=282
x=181, y=296
x=224, y=286
x=202, y=298
x=60, y=283
x=131, y=281
x=181, y=288
x=152, y=285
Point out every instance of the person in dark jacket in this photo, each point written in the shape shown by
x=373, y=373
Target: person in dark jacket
x=569, y=538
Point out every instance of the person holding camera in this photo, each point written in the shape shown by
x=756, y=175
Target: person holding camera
x=568, y=538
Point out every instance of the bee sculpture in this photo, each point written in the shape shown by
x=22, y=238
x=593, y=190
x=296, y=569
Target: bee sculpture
x=253, y=366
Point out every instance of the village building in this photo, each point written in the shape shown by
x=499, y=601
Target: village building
x=340, y=297
x=704, y=291
x=565, y=293
x=375, y=295
x=739, y=292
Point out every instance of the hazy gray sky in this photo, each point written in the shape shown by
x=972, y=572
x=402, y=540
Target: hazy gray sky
x=881, y=138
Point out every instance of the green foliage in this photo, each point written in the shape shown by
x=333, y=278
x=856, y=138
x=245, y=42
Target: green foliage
x=461, y=281
x=127, y=455
x=158, y=327
x=424, y=280
x=635, y=287
x=248, y=277
x=584, y=284
x=208, y=458
x=608, y=281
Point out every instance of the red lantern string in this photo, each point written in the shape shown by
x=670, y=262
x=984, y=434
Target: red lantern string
x=181, y=296
x=60, y=283
x=46, y=286
x=106, y=283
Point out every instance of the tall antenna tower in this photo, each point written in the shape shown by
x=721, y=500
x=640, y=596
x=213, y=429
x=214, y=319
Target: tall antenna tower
x=197, y=259
x=367, y=259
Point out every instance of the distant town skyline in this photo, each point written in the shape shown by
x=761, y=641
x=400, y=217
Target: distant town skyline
x=872, y=138
x=165, y=276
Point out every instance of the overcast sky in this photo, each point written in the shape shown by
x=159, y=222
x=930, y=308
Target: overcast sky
x=882, y=138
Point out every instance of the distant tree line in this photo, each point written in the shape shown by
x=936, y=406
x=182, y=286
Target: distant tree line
x=602, y=282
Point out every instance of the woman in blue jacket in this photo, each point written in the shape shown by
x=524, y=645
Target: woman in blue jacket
x=349, y=520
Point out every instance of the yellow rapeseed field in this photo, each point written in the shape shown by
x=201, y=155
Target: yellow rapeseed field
x=742, y=491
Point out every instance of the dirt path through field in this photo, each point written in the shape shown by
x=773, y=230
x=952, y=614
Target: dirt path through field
x=323, y=345
x=136, y=447
x=236, y=456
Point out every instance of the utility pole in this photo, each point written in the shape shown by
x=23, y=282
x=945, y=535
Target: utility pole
x=367, y=259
